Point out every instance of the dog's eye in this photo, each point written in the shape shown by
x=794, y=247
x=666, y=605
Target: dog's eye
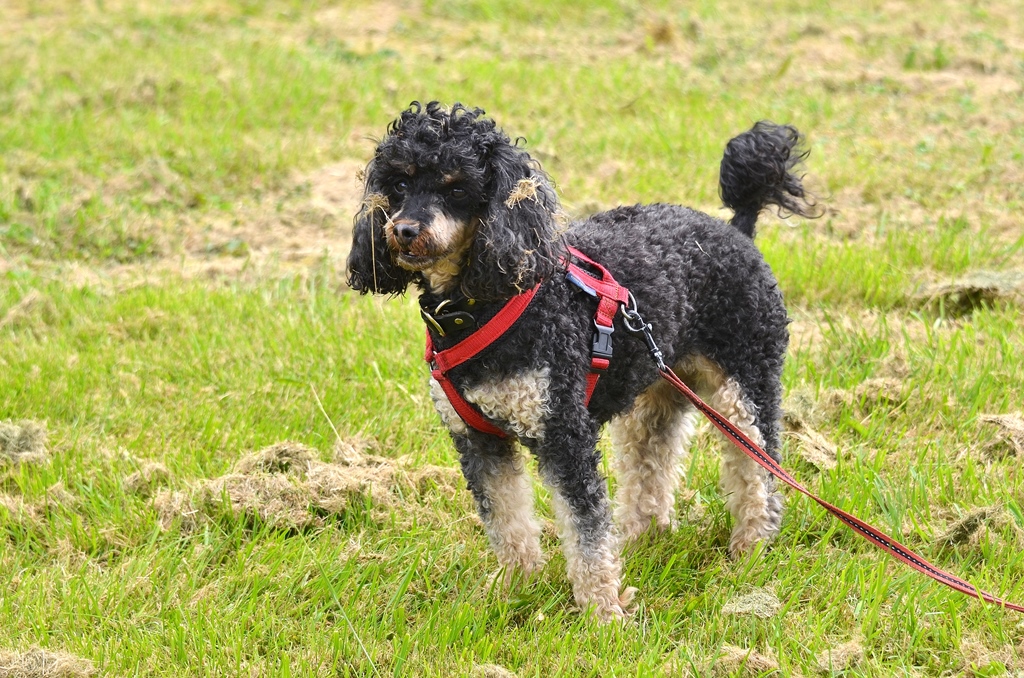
x=458, y=193
x=401, y=186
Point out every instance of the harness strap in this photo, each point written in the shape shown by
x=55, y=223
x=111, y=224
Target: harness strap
x=610, y=295
x=469, y=347
x=442, y=361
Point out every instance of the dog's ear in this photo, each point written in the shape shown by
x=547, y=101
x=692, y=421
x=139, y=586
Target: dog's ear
x=517, y=243
x=371, y=267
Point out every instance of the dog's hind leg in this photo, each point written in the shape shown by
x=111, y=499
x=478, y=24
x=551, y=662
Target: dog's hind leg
x=749, y=490
x=650, y=442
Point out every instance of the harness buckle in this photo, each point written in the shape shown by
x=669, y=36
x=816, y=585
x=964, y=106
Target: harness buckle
x=602, y=344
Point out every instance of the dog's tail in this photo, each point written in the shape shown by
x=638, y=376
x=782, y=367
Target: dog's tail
x=758, y=170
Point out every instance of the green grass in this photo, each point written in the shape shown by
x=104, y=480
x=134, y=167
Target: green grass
x=159, y=302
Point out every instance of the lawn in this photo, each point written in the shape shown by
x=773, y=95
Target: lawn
x=215, y=459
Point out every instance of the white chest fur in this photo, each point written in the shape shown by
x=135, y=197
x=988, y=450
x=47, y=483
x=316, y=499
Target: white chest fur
x=520, y=401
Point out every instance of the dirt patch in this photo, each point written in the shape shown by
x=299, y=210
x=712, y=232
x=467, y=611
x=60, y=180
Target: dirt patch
x=39, y=663
x=288, y=487
x=23, y=442
x=759, y=603
x=302, y=228
x=366, y=24
x=309, y=223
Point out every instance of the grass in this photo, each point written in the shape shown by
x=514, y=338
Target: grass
x=176, y=184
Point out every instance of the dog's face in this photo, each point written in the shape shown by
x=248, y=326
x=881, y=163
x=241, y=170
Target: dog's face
x=434, y=214
x=451, y=203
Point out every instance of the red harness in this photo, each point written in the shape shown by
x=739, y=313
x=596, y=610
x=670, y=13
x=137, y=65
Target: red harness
x=609, y=294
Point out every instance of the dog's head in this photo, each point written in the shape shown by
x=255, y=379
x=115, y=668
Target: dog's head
x=451, y=203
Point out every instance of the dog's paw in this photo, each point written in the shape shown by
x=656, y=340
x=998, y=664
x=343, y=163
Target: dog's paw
x=631, y=531
x=615, y=608
x=508, y=577
x=745, y=544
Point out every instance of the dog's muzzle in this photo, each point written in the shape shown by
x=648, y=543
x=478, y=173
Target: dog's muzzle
x=405, y=233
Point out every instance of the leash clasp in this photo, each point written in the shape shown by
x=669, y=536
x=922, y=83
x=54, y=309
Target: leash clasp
x=636, y=324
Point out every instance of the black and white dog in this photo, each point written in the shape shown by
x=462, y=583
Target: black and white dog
x=456, y=209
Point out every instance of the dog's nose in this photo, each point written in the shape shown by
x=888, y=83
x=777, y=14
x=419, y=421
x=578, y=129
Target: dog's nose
x=406, y=232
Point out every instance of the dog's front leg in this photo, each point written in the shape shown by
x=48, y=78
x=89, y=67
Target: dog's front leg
x=496, y=476
x=569, y=463
x=501, y=487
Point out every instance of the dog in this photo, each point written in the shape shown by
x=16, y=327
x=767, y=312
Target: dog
x=453, y=207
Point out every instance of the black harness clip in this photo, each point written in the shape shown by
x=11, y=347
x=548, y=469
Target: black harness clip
x=602, y=346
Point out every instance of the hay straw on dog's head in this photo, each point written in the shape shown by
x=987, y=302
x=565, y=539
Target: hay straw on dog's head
x=526, y=189
x=376, y=201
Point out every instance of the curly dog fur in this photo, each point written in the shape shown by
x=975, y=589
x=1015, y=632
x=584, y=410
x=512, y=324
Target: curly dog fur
x=453, y=207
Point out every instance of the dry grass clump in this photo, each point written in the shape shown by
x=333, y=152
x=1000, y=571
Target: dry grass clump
x=979, y=289
x=759, y=602
x=886, y=391
x=33, y=308
x=842, y=658
x=23, y=442
x=738, y=661
x=40, y=663
x=981, y=524
x=729, y=661
x=287, y=486
x=1009, y=438
x=57, y=497
x=19, y=512
x=144, y=481
x=814, y=448
x=491, y=671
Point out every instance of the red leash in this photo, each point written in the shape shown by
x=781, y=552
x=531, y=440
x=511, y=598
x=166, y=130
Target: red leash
x=635, y=324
